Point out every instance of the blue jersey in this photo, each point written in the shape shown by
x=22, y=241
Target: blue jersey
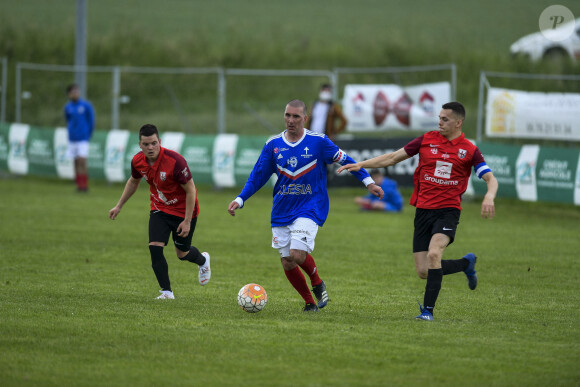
x=300, y=190
x=80, y=119
x=392, y=194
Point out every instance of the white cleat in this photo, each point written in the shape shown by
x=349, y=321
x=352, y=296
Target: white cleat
x=166, y=295
x=204, y=270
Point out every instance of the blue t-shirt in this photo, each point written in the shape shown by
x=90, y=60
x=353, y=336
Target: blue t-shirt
x=392, y=197
x=80, y=118
x=300, y=190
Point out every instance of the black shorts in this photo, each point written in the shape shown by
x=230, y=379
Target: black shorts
x=162, y=224
x=429, y=222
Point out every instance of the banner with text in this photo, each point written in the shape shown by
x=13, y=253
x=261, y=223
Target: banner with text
x=524, y=114
x=385, y=107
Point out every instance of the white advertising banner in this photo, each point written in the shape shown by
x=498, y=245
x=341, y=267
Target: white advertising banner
x=385, y=107
x=523, y=114
x=224, y=150
x=526, y=173
x=64, y=164
x=114, y=152
x=17, y=157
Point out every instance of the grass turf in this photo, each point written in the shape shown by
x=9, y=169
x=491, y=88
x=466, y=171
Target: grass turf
x=78, y=292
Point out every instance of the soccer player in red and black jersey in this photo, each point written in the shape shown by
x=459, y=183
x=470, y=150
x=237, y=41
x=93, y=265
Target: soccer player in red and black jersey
x=445, y=161
x=174, y=206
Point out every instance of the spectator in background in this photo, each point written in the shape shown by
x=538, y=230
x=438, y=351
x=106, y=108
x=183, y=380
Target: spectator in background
x=391, y=202
x=80, y=118
x=325, y=115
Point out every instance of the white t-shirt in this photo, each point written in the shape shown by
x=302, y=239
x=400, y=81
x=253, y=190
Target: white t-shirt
x=319, y=114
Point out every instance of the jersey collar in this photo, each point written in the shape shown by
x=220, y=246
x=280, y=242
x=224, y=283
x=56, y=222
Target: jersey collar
x=293, y=144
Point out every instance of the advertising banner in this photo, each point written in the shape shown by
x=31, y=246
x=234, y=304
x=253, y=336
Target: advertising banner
x=40, y=152
x=364, y=149
x=198, y=152
x=115, y=148
x=131, y=150
x=556, y=175
x=4, y=145
x=247, y=152
x=97, y=155
x=502, y=161
x=17, y=157
x=224, y=150
x=526, y=173
x=523, y=114
x=385, y=107
x=63, y=164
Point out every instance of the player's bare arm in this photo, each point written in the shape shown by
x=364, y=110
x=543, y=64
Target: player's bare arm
x=382, y=161
x=488, y=206
x=190, y=196
x=128, y=191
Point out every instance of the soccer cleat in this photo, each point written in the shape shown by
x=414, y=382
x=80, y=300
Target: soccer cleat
x=310, y=308
x=425, y=314
x=166, y=295
x=204, y=270
x=470, y=271
x=320, y=294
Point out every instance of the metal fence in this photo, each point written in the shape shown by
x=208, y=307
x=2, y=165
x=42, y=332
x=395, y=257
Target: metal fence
x=194, y=100
x=3, y=88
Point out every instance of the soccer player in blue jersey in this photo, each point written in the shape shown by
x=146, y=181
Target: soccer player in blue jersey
x=299, y=158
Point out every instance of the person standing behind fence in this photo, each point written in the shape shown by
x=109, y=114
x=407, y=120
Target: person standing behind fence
x=80, y=118
x=325, y=115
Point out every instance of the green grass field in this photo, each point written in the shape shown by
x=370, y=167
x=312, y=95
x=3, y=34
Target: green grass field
x=78, y=308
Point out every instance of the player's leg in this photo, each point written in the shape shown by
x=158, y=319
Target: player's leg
x=186, y=252
x=303, y=237
x=82, y=173
x=434, y=274
x=159, y=232
x=281, y=241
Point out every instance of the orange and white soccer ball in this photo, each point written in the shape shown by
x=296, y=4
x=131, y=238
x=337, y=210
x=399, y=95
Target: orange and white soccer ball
x=252, y=298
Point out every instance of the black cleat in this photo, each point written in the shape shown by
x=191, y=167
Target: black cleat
x=320, y=294
x=310, y=308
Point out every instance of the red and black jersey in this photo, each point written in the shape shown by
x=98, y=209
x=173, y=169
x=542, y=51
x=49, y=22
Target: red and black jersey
x=444, y=168
x=165, y=178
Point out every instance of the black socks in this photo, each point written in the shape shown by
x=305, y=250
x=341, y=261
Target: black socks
x=451, y=266
x=194, y=256
x=160, y=267
x=432, y=288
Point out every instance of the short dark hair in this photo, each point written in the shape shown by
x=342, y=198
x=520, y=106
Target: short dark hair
x=71, y=86
x=326, y=86
x=148, y=130
x=298, y=103
x=376, y=172
x=456, y=107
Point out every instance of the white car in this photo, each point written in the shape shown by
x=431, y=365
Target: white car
x=536, y=46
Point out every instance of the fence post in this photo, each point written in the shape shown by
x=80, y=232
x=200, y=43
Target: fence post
x=221, y=101
x=4, y=89
x=18, y=94
x=115, y=107
x=480, y=107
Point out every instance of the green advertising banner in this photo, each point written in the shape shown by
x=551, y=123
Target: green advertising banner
x=198, y=152
x=556, y=174
x=247, y=152
x=4, y=145
x=502, y=161
x=97, y=154
x=40, y=150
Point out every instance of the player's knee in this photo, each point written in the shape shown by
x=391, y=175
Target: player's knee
x=422, y=273
x=288, y=263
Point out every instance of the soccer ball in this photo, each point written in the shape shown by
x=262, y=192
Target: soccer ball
x=252, y=298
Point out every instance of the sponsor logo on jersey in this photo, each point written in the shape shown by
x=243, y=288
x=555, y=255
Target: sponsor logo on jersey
x=295, y=189
x=440, y=181
x=300, y=232
x=163, y=176
x=462, y=153
x=434, y=151
x=280, y=156
x=276, y=150
x=443, y=169
x=292, y=161
x=185, y=172
x=445, y=155
x=306, y=155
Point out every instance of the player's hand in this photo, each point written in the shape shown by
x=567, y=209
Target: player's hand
x=487, y=208
x=114, y=212
x=233, y=207
x=183, y=228
x=376, y=190
x=349, y=167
